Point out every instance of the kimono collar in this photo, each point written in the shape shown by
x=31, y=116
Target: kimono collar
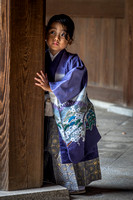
x=53, y=57
x=51, y=66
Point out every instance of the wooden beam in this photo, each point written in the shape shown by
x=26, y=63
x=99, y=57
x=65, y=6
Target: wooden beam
x=21, y=103
x=87, y=8
x=128, y=59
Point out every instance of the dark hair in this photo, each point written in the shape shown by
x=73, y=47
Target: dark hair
x=65, y=20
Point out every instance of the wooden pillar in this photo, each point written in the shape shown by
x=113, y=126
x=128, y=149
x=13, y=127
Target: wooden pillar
x=128, y=74
x=4, y=93
x=21, y=103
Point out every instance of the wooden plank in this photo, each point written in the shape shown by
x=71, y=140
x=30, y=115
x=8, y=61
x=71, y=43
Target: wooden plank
x=93, y=43
x=128, y=58
x=87, y=8
x=106, y=53
x=119, y=54
x=4, y=93
x=105, y=94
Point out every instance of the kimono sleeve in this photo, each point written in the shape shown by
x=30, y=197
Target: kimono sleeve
x=72, y=83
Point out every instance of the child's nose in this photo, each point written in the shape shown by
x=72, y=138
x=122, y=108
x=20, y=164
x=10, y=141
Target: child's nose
x=57, y=37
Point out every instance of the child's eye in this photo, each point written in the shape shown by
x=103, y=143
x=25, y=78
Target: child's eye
x=52, y=33
x=63, y=34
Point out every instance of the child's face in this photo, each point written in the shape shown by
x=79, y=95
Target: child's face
x=57, y=38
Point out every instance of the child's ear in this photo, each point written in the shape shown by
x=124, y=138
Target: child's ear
x=70, y=42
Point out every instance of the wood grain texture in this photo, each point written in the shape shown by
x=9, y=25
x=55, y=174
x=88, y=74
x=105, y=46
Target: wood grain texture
x=4, y=93
x=26, y=100
x=21, y=103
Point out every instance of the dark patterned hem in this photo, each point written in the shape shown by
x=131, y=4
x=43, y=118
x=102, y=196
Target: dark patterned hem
x=72, y=176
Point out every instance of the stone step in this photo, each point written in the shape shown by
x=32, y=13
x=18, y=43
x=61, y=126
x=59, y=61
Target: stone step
x=54, y=192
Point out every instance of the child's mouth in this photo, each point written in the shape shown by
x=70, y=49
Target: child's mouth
x=56, y=43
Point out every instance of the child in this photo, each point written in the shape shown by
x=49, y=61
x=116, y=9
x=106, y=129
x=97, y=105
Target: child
x=73, y=146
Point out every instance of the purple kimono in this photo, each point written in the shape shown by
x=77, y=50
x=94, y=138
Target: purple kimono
x=73, y=111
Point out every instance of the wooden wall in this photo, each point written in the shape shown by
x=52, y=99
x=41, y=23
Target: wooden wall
x=101, y=37
x=21, y=103
x=101, y=49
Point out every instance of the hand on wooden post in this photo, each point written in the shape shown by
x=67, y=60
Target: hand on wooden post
x=42, y=81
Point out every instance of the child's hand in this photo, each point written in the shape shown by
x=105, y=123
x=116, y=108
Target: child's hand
x=42, y=81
